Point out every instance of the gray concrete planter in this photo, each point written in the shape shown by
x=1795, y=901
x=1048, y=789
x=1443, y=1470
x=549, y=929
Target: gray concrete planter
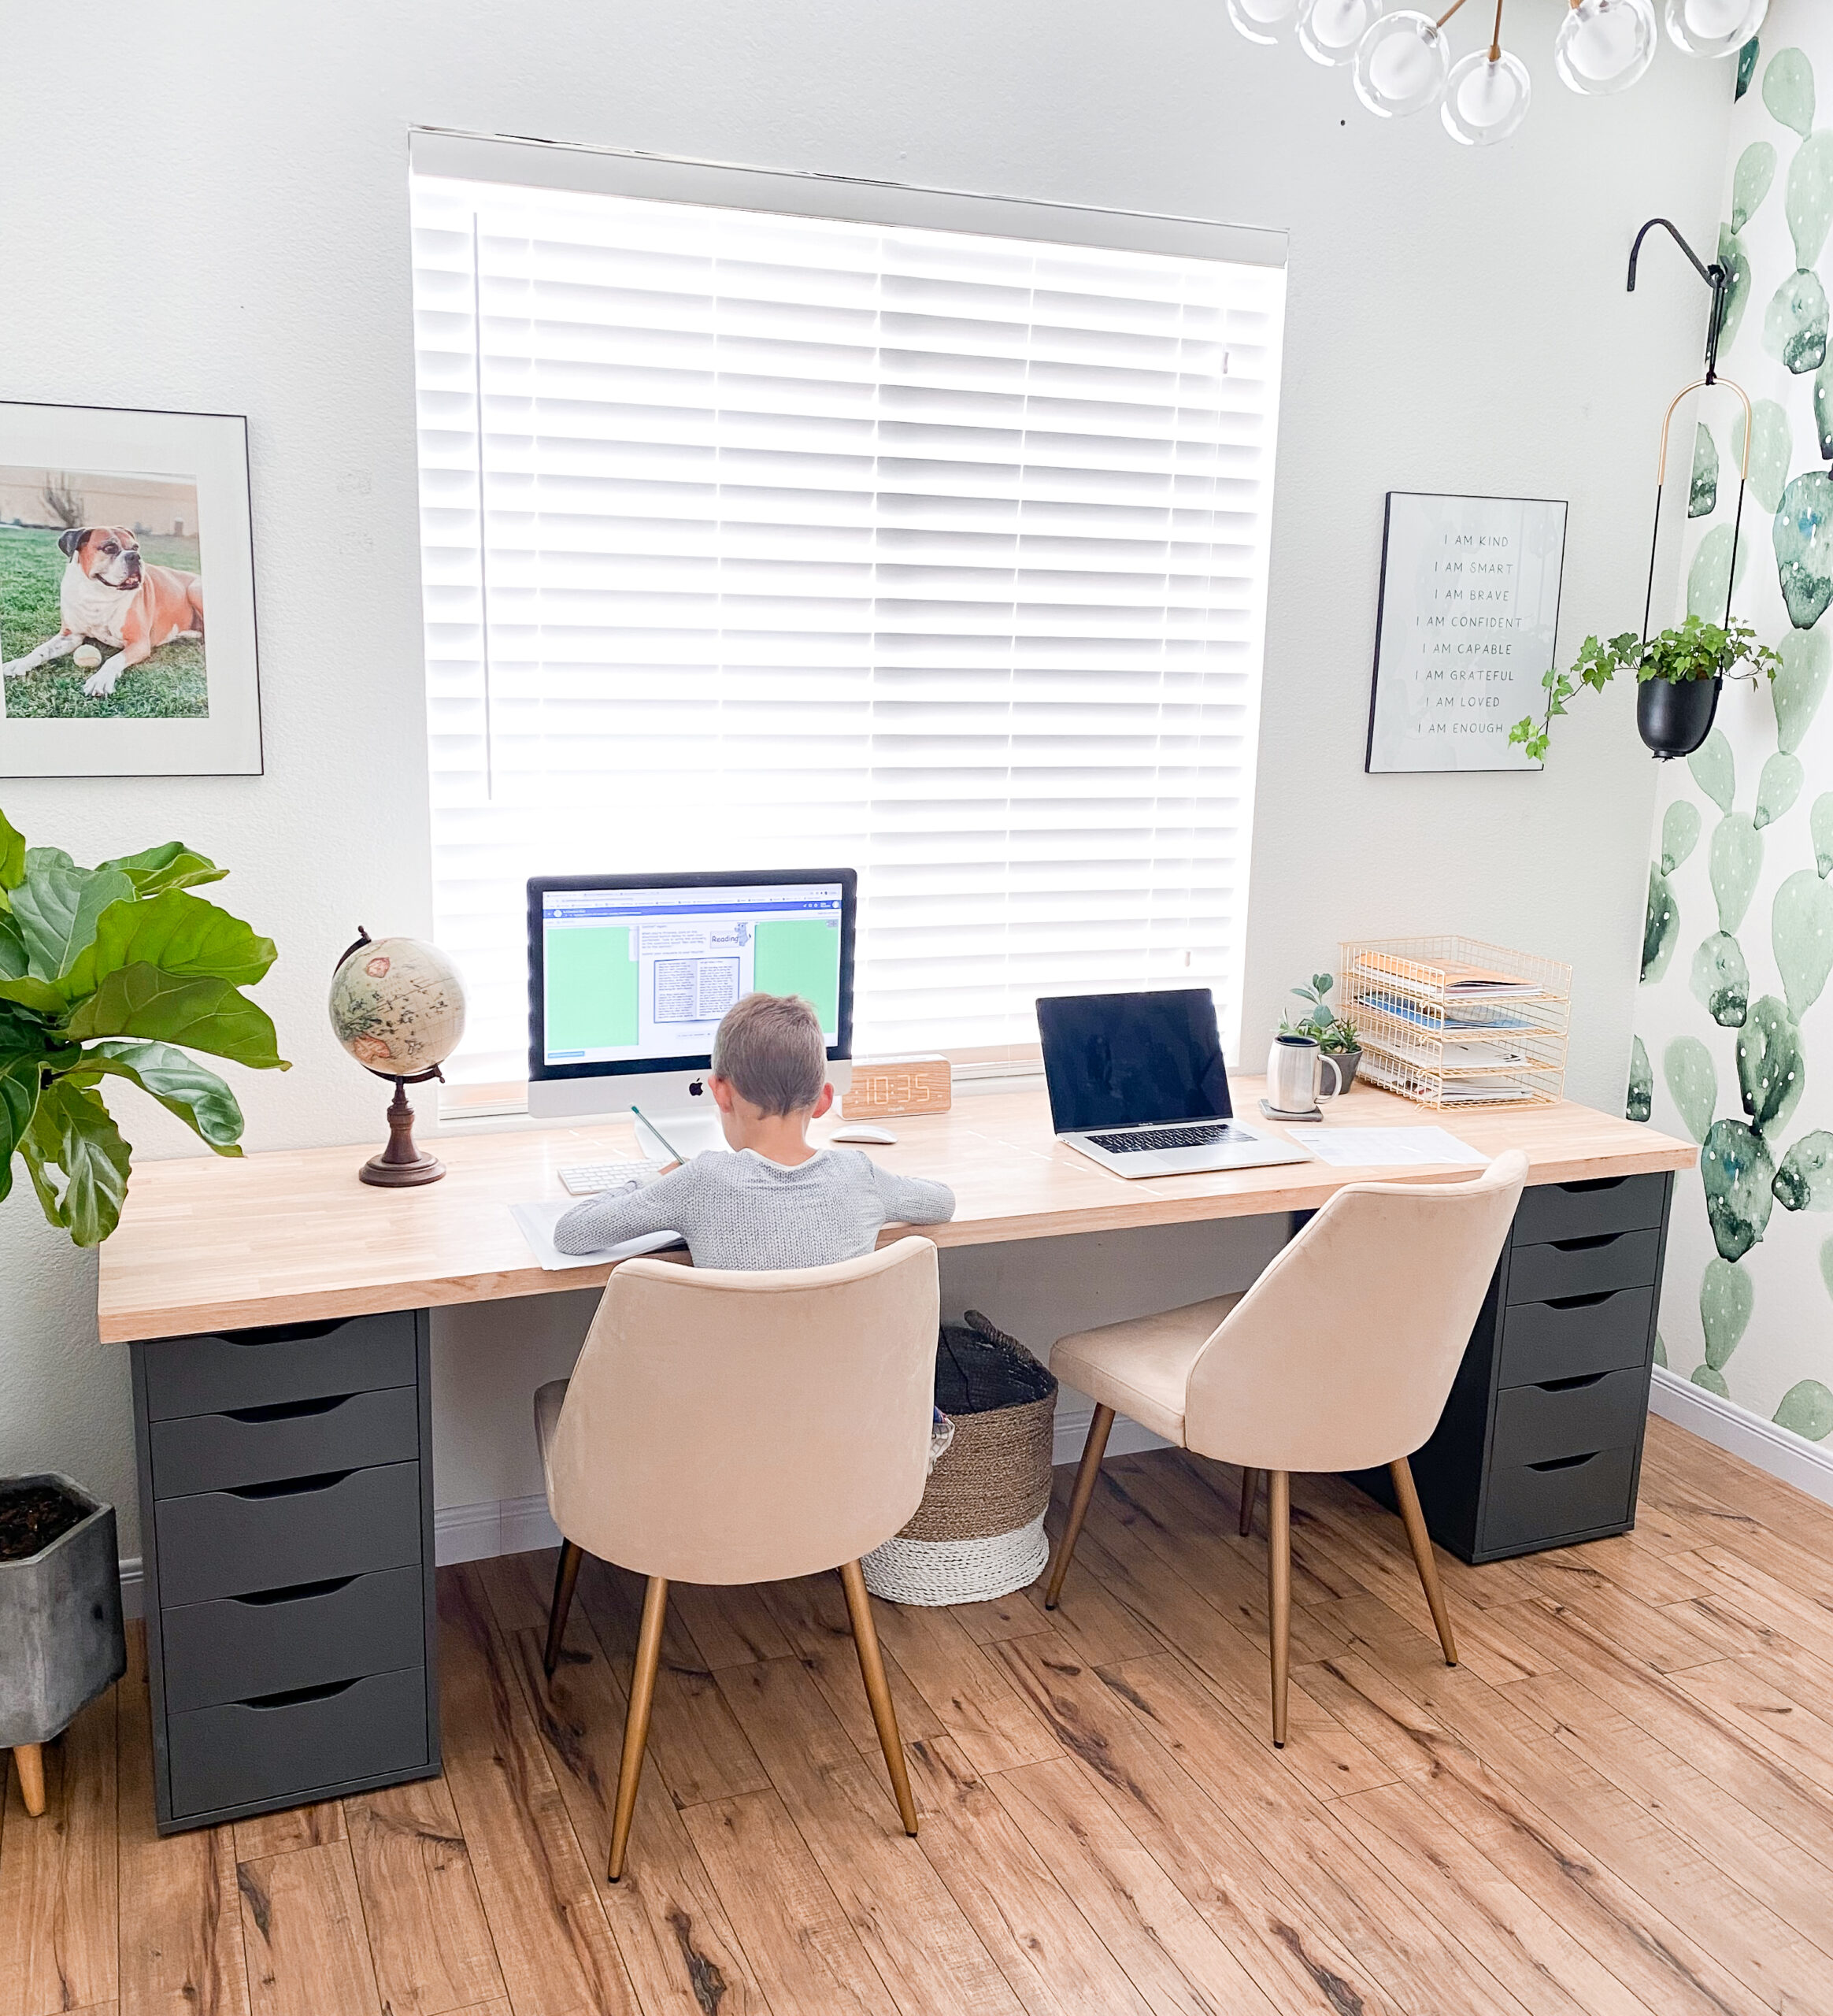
x=60, y=1638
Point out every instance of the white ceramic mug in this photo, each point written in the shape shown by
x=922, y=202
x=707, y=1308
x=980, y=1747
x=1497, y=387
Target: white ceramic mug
x=1292, y=1074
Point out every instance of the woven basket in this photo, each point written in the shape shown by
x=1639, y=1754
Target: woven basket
x=979, y=1531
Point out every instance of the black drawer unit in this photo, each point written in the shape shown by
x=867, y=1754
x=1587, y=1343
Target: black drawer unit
x=293, y=1438
x=261, y=1750
x=1540, y=1442
x=286, y=1503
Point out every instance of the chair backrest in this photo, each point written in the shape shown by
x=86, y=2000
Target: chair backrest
x=729, y=1427
x=1342, y=1354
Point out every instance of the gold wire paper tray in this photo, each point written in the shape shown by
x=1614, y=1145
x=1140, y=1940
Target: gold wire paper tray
x=1454, y=1022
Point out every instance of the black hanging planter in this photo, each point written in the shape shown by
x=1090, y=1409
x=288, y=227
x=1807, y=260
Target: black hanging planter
x=1673, y=718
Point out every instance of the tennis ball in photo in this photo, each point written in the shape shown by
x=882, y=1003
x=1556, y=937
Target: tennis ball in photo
x=86, y=657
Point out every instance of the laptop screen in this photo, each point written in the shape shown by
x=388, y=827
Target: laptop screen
x=1129, y=1060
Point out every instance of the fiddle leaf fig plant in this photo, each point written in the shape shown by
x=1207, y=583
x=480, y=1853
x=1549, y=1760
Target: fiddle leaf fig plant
x=1696, y=649
x=115, y=971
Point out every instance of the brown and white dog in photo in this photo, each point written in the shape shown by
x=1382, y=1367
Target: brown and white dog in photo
x=110, y=594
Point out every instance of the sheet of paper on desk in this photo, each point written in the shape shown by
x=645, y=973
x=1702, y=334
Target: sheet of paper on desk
x=536, y=1222
x=1389, y=1147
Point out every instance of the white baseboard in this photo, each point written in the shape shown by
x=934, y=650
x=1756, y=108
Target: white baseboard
x=1128, y=1438
x=481, y=1532
x=520, y=1525
x=1807, y=1466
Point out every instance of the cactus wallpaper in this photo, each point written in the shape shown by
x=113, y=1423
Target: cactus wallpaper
x=1734, y=1042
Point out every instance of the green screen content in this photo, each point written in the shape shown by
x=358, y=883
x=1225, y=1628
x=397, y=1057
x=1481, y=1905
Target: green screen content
x=592, y=989
x=800, y=955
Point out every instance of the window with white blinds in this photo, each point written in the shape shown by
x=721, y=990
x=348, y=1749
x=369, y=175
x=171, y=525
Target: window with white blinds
x=755, y=538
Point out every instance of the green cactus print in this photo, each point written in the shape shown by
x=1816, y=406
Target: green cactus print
x=1720, y=980
x=1750, y=184
x=1737, y=929
x=1788, y=90
x=1771, y=448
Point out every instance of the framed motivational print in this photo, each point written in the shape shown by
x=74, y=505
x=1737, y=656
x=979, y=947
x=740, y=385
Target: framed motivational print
x=1465, y=630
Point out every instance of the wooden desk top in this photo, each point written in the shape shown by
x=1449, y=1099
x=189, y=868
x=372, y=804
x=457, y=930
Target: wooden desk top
x=289, y=1237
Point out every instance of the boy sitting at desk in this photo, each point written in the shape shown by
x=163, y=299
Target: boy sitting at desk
x=777, y=1202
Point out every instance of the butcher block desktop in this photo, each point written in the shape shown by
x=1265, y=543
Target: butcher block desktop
x=278, y=1311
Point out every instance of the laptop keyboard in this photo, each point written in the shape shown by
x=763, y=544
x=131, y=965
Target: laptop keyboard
x=1137, y=1139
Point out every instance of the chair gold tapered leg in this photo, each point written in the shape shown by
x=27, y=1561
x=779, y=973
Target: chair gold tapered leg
x=636, y=1719
x=1420, y=1541
x=1280, y=1590
x=565, y=1575
x=1249, y=1490
x=30, y=1757
x=1092, y=1451
x=872, y=1670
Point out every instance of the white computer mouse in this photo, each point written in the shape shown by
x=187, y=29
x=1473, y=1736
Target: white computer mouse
x=855, y=1133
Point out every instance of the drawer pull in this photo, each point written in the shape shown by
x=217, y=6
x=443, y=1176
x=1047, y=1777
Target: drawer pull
x=1590, y=1245
x=1573, y=1384
x=296, y=1592
x=288, y=1410
x=291, y=1486
x=1589, y=1185
x=292, y=1696
x=1567, y=1462
x=1581, y=1301
x=283, y=1333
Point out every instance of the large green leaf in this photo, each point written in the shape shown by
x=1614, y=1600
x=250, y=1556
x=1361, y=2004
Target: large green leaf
x=19, y=1098
x=56, y=907
x=180, y=1084
x=174, y=866
x=39, y=995
x=73, y=1128
x=203, y=1014
x=181, y=934
x=16, y=981
x=11, y=854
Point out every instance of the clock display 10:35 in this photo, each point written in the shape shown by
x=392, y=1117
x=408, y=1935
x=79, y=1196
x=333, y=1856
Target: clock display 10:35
x=889, y=1088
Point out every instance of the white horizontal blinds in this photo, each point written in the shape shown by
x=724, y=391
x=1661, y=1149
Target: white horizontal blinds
x=811, y=542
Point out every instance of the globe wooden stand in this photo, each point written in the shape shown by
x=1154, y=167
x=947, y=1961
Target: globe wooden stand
x=401, y=1164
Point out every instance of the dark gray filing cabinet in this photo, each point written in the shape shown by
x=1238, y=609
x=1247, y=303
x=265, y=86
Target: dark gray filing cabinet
x=1540, y=1443
x=286, y=1504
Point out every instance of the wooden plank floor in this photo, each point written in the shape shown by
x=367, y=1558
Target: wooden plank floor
x=1621, y=1802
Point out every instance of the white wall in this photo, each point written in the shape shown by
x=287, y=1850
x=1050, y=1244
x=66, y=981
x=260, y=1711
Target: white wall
x=214, y=215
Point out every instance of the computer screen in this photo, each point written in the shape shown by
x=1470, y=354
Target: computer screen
x=632, y=973
x=1132, y=1060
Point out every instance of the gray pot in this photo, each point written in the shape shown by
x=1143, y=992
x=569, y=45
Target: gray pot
x=1345, y=1061
x=60, y=1638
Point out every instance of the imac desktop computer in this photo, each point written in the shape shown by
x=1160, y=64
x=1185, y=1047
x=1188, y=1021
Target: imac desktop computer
x=628, y=975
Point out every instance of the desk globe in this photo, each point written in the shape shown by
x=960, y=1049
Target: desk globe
x=398, y=1006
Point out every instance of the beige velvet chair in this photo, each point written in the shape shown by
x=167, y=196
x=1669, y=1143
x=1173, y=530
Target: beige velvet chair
x=722, y=1427
x=1340, y=1357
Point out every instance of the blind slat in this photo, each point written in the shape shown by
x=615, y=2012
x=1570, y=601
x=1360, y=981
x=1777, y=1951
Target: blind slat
x=750, y=538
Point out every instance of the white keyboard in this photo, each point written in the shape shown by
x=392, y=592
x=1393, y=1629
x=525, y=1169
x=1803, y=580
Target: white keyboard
x=587, y=1179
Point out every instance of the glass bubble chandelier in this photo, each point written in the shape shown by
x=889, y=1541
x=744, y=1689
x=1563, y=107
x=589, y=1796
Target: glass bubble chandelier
x=1400, y=60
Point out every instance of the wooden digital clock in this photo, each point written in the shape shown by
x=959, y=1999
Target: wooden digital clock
x=888, y=1088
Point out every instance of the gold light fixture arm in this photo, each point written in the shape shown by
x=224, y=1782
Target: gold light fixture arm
x=1496, y=35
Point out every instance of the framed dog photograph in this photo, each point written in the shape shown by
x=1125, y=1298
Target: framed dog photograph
x=126, y=595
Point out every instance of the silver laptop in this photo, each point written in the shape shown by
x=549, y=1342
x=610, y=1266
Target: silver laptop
x=1137, y=1083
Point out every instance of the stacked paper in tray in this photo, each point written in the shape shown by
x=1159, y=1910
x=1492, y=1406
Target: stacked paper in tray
x=1450, y=1021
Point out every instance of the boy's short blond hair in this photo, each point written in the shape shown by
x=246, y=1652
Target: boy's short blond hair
x=770, y=1050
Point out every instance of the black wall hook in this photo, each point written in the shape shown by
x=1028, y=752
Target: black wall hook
x=1715, y=276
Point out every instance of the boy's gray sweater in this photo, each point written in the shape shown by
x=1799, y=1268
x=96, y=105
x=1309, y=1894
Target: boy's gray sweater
x=741, y=1210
